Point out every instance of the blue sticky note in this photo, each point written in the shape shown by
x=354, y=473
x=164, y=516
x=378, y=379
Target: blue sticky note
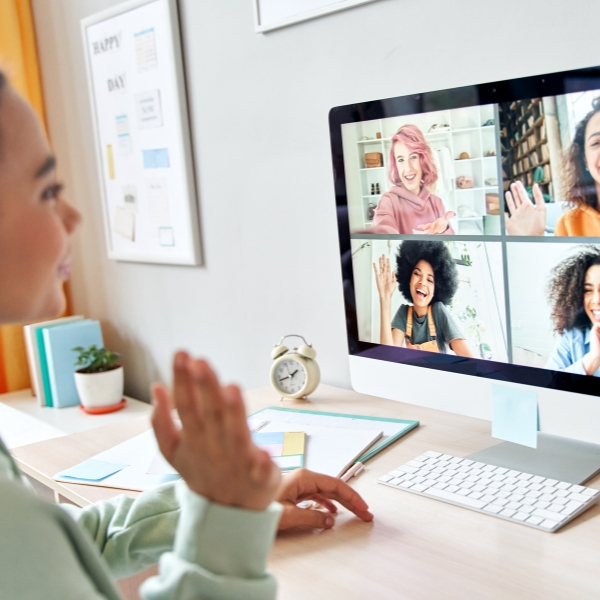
x=92, y=470
x=156, y=159
x=266, y=438
x=514, y=415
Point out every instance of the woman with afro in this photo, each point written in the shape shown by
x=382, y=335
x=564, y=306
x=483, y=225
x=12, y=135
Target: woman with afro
x=427, y=277
x=574, y=295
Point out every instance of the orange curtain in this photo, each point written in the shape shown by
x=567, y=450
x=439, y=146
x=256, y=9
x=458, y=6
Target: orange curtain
x=18, y=58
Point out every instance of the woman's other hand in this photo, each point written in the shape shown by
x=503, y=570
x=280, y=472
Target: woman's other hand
x=302, y=485
x=591, y=361
x=438, y=226
x=385, y=278
x=525, y=217
x=213, y=450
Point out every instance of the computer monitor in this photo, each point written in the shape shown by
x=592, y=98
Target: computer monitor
x=475, y=210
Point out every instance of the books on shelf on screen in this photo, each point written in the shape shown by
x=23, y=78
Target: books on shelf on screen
x=52, y=359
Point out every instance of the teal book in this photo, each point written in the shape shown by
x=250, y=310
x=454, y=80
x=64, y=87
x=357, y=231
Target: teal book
x=60, y=357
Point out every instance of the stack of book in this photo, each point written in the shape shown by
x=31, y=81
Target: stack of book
x=52, y=359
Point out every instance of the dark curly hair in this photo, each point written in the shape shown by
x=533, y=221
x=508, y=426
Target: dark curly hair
x=580, y=185
x=565, y=289
x=441, y=261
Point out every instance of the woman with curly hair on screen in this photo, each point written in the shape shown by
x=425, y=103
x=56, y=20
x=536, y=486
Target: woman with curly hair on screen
x=582, y=169
x=574, y=295
x=427, y=277
x=409, y=206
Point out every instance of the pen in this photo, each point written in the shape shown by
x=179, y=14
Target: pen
x=353, y=471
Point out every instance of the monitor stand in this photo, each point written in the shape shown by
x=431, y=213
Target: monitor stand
x=555, y=457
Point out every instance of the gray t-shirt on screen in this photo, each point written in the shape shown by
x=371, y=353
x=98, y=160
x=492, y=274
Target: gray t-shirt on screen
x=446, y=327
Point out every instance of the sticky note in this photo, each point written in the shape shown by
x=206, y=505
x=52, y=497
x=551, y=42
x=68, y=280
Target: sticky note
x=92, y=470
x=156, y=159
x=293, y=443
x=514, y=415
x=111, y=161
x=289, y=462
x=165, y=236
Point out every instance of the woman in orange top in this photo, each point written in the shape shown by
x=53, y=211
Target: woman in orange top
x=583, y=188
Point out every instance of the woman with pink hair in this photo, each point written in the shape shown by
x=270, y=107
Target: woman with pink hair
x=409, y=206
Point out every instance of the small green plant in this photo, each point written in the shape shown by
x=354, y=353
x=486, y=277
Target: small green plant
x=95, y=360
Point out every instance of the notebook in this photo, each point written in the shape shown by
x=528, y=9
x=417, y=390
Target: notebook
x=60, y=357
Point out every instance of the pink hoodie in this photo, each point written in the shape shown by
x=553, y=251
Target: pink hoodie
x=401, y=211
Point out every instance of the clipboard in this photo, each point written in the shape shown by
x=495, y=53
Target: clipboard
x=331, y=419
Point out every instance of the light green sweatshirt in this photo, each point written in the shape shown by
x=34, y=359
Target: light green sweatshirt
x=63, y=552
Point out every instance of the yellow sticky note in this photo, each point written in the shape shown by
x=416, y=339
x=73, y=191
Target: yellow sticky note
x=111, y=161
x=293, y=443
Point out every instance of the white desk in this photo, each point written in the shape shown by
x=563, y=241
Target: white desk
x=23, y=421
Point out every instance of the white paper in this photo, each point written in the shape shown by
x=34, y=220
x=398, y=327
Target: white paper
x=125, y=223
x=149, y=110
x=145, y=50
x=158, y=202
x=19, y=429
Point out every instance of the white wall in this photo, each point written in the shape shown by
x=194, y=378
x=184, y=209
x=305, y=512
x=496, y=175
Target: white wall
x=259, y=106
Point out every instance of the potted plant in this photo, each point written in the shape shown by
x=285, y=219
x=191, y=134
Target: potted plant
x=100, y=380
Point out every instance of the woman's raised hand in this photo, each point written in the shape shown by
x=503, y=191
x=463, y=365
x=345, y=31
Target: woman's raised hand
x=385, y=278
x=591, y=361
x=213, y=450
x=525, y=217
x=438, y=226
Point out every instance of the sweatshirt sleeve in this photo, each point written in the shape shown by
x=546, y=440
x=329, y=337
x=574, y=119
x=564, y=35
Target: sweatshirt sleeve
x=132, y=533
x=220, y=552
x=384, y=220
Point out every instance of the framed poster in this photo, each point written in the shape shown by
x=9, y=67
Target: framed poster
x=141, y=131
x=274, y=14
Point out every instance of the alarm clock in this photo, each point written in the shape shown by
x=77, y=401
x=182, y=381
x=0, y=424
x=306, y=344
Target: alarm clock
x=294, y=373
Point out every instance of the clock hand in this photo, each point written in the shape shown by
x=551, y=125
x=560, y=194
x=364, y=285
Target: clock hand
x=292, y=374
x=283, y=378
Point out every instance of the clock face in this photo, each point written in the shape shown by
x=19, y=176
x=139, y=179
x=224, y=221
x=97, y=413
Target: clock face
x=290, y=376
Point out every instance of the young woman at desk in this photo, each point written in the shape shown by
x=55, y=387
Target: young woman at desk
x=212, y=531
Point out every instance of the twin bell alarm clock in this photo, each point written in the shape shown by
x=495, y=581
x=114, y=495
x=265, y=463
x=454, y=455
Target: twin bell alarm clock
x=295, y=373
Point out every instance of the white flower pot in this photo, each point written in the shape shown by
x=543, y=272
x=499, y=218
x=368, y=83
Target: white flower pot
x=98, y=390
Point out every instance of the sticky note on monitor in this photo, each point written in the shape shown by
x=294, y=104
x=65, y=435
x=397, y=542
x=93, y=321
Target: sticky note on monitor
x=514, y=415
x=91, y=470
x=285, y=448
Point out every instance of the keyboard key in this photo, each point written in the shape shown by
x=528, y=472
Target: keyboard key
x=528, y=501
x=501, y=470
x=475, y=495
x=516, y=497
x=439, y=470
x=407, y=469
x=534, y=520
x=472, y=478
x=561, y=485
x=551, y=482
x=489, y=468
x=589, y=492
x=418, y=479
x=415, y=463
x=535, y=486
x=538, y=479
x=521, y=516
x=502, y=494
x=578, y=497
x=533, y=494
x=548, y=514
x=396, y=480
x=561, y=501
x=527, y=509
x=444, y=478
x=493, y=508
x=541, y=504
x=440, y=485
x=445, y=495
x=561, y=493
x=385, y=478
x=513, y=473
x=478, y=487
x=555, y=508
x=452, y=488
x=570, y=508
x=508, y=488
x=406, y=484
x=513, y=505
x=500, y=502
x=432, y=454
x=507, y=512
x=524, y=477
x=487, y=498
x=547, y=497
x=576, y=488
x=463, y=492
x=549, y=524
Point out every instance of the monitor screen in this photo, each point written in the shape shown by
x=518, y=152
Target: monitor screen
x=469, y=228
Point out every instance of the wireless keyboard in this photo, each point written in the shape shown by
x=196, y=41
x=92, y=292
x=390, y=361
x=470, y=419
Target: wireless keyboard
x=532, y=500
